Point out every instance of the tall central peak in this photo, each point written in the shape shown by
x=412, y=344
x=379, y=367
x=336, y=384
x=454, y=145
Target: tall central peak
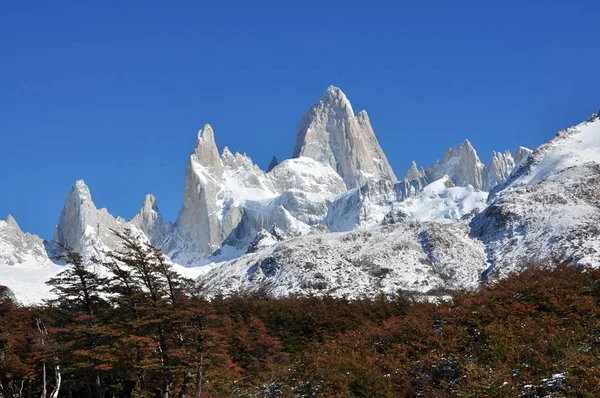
x=206, y=152
x=331, y=134
x=335, y=98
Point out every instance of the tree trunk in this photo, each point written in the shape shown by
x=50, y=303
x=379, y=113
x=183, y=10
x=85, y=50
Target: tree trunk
x=167, y=374
x=98, y=385
x=42, y=331
x=6, y=389
x=44, y=390
x=21, y=389
x=58, y=378
x=29, y=389
x=199, y=380
x=185, y=386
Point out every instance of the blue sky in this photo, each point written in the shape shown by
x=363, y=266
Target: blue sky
x=115, y=93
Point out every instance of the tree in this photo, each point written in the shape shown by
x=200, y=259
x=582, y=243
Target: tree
x=85, y=341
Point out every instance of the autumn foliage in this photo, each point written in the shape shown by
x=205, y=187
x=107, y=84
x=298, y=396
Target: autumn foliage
x=144, y=331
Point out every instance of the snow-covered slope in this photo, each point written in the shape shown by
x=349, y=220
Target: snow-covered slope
x=411, y=256
x=24, y=264
x=549, y=209
x=443, y=202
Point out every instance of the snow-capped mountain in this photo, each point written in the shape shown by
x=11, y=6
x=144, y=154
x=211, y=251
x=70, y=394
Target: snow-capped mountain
x=465, y=168
x=88, y=230
x=549, y=209
x=335, y=220
x=331, y=134
x=24, y=262
x=16, y=246
x=150, y=221
x=228, y=199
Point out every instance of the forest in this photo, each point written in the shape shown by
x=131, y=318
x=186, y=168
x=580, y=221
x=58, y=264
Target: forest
x=144, y=331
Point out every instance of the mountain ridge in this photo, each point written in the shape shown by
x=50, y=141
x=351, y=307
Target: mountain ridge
x=242, y=227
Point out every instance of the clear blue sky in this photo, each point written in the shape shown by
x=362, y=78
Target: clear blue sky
x=115, y=93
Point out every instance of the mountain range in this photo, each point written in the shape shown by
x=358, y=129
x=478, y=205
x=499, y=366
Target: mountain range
x=335, y=219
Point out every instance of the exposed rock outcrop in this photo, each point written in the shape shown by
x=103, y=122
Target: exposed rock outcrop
x=150, y=221
x=331, y=134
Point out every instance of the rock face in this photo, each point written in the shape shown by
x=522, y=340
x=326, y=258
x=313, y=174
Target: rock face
x=87, y=229
x=462, y=164
x=415, y=174
x=199, y=216
x=228, y=199
x=81, y=226
x=150, y=221
x=331, y=134
x=502, y=165
x=18, y=247
x=274, y=162
x=464, y=167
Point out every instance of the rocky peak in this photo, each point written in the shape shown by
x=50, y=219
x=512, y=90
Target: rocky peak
x=80, y=191
x=13, y=225
x=502, y=165
x=335, y=99
x=462, y=164
x=81, y=225
x=414, y=173
x=17, y=246
x=594, y=117
x=205, y=152
x=150, y=221
x=273, y=164
x=331, y=134
x=150, y=203
x=521, y=155
x=11, y=232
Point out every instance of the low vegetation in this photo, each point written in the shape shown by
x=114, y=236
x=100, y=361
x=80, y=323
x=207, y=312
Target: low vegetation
x=144, y=331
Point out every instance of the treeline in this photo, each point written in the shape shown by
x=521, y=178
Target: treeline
x=145, y=331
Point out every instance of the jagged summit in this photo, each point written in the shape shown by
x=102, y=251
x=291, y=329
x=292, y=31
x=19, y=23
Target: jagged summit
x=150, y=203
x=502, y=165
x=594, y=117
x=205, y=152
x=340, y=186
x=150, y=221
x=82, y=226
x=331, y=134
x=81, y=190
x=462, y=164
x=335, y=98
x=273, y=164
x=14, y=228
x=414, y=173
x=10, y=220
